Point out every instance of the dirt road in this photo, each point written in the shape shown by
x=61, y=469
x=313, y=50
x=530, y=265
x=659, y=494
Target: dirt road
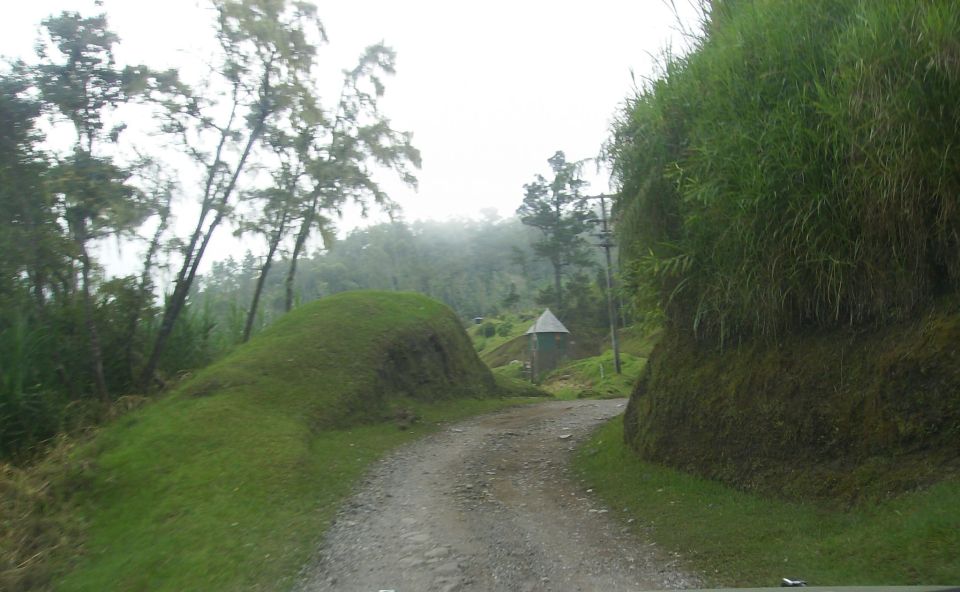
x=489, y=505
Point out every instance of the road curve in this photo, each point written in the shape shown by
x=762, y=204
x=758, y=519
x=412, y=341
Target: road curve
x=489, y=505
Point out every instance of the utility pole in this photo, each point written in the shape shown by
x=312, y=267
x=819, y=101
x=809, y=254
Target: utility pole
x=607, y=244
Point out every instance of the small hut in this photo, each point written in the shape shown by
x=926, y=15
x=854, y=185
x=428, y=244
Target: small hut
x=548, y=344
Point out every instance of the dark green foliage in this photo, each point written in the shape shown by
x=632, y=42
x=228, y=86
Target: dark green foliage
x=463, y=263
x=54, y=304
x=798, y=167
x=29, y=411
x=75, y=340
x=558, y=210
x=512, y=298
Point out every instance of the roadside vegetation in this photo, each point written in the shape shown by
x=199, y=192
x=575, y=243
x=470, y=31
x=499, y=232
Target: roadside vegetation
x=586, y=374
x=594, y=377
x=788, y=206
x=493, y=333
x=788, y=210
x=788, y=219
x=229, y=481
x=796, y=169
x=740, y=539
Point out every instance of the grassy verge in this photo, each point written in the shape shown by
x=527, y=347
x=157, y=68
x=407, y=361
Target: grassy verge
x=595, y=377
x=171, y=538
x=738, y=539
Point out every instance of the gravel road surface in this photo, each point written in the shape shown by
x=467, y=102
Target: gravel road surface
x=489, y=505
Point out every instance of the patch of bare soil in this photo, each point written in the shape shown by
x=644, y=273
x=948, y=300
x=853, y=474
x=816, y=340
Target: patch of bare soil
x=489, y=505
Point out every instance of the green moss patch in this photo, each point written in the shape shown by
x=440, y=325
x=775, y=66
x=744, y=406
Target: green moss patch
x=836, y=416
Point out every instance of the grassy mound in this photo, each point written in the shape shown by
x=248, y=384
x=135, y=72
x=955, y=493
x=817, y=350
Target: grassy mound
x=841, y=416
x=228, y=482
x=496, y=331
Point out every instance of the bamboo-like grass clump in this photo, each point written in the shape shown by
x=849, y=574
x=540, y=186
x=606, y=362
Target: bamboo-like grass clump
x=799, y=167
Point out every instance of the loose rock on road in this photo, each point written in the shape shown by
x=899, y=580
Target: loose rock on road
x=489, y=505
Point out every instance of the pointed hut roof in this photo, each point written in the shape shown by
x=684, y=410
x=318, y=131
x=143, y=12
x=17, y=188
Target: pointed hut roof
x=547, y=323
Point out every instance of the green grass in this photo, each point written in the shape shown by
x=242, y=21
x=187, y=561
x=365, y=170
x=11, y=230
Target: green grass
x=796, y=168
x=233, y=517
x=511, y=378
x=229, y=482
x=637, y=340
x=595, y=377
x=507, y=327
x=739, y=539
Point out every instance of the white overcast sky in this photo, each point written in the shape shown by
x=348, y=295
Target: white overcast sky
x=489, y=89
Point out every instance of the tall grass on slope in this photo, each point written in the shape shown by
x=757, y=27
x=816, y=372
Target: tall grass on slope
x=227, y=483
x=799, y=167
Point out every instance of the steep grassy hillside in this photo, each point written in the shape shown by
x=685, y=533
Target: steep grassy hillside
x=842, y=415
x=796, y=169
x=227, y=483
x=514, y=349
x=789, y=205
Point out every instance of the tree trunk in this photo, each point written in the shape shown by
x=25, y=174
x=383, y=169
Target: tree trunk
x=255, y=303
x=96, y=351
x=142, y=290
x=558, y=261
x=264, y=270
x=558, y=286
x=297, y=248
x=191, y=263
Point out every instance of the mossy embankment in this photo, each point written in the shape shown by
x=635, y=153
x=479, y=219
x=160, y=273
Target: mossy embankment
x=788, y=205
x=840, y=416
x=742, y=539
x=228, y=482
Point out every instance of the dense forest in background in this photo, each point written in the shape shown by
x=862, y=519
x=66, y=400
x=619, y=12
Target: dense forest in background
x=477, y=267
